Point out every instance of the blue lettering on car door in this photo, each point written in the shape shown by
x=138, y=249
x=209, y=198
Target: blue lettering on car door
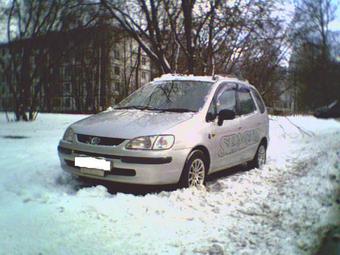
x=232, y=143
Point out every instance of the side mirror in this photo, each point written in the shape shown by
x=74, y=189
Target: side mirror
x=210, y=117
x=225, y=114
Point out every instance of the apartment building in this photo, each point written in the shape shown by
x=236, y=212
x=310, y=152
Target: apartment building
x=83, y=70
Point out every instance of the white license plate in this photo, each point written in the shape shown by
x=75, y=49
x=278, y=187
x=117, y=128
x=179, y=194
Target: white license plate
x=94, y=163
x=91, y=171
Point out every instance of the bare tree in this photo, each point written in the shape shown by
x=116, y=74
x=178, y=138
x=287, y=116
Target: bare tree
x=26, y=20
x=198, y=37
x=312, y=18
x=311, y=66
x=27, y=23
x=148, y=34
x=186, y=36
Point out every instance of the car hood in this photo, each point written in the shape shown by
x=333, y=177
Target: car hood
x=129, y=123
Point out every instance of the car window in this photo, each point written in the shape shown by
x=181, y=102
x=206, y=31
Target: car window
x=226, y=100
x=246, y=103
x=221, y=98
x=259, y=101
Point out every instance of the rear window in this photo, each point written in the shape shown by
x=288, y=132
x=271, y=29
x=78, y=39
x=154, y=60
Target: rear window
x=259, y=100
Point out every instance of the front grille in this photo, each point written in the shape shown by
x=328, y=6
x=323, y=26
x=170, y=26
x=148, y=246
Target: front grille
x=123, y=171
x=125, y=159
x=96, y=155
x=108, y=141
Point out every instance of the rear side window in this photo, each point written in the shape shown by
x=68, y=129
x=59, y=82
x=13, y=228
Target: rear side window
x=259, y=101
x=246, y=103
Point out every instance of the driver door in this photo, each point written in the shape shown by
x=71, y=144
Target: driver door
x=225, y=139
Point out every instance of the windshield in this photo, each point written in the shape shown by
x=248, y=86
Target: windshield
x=180, y=96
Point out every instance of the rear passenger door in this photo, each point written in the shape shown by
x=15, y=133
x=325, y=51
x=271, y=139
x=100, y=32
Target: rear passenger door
x=250, y=123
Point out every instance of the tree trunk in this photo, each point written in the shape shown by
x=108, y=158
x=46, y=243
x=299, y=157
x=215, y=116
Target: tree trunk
x=187, y=13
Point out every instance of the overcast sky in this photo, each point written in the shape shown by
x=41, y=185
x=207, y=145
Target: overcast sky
x=287, y=6
x=335, y=25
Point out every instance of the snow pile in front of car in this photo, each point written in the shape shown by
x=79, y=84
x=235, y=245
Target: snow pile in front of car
x=282, y=208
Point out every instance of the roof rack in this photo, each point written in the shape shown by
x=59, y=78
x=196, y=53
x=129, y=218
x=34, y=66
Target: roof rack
x=214, y=77
x=217, y=77
x=221, y=76
x=175, y=74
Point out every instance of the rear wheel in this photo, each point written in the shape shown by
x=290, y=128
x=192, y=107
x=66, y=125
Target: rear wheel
x=260, y=157
x=195, y=169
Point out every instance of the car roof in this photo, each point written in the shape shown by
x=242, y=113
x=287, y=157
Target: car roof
x=172, y=77
x=213, y=79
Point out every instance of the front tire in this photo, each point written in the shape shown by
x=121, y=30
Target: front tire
x=195, y=170
x=260, y=157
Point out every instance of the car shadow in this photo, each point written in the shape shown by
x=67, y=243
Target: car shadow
x=142, y=190
x=228, y=172
x=115, y=187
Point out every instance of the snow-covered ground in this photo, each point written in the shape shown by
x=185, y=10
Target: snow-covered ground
x=281, y=209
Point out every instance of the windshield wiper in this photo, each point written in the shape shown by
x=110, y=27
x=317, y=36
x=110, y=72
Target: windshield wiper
x=150, y=108
x=177, y=110
x=139, y=107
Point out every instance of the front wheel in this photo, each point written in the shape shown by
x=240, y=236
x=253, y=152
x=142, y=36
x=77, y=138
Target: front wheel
x=195, y=169
x=260, y=157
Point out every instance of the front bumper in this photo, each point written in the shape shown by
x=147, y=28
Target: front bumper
x=129, y=166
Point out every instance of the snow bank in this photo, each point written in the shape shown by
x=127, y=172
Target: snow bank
x=281, y=209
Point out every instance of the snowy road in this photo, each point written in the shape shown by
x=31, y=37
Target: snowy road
x=281, y=209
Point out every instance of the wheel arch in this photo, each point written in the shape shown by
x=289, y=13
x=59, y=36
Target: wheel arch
x=205, y=152
x=264, y=141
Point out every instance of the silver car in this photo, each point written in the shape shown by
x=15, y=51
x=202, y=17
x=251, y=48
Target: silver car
x=176, y=129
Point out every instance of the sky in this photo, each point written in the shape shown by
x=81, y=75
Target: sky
x=287, y=6
x=335, y=25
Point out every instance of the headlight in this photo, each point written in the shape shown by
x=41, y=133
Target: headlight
x=161, y=142
x=164, y=142
x=68, y=135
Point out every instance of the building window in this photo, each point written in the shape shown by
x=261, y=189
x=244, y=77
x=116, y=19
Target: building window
x=31, y=58
x=88, y=53
x=79, y=55
x=117, y=70
x=143, y=61
x=116, y=54
x=36, y=59
x=77, y=72
x=117, y=86
x=67, y=72
x=67, y=87
x=56, y=102
x=68, y=102
x=59, y=73
x=143, y=75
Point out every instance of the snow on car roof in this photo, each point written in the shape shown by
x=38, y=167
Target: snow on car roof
x=215, y=78
x=170, y=77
